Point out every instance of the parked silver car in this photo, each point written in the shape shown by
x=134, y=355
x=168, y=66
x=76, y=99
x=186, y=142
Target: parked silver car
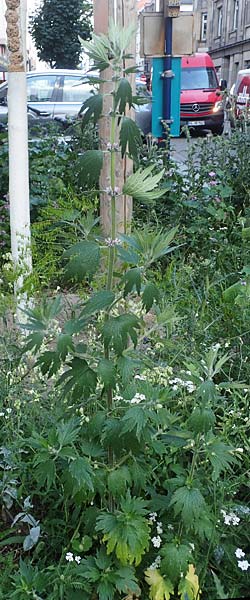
x=60, y=93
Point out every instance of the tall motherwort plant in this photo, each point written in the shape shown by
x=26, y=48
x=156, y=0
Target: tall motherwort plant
x=124, y=468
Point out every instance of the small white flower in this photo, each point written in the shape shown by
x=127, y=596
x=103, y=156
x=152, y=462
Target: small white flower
x=156, y=541
x=69, y=557
x=158, y=405
x=239, y=450
x=243, y=565
x=140, y=377
x=191, y=545
x=231, y=518
x=137, y=398
x=239, y=553
x=170, y=527
x=152, y=517
x=78, y=559
x=159, y=528
x=112, y=242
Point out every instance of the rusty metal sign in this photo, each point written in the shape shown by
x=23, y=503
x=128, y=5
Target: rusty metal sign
x=152, y=35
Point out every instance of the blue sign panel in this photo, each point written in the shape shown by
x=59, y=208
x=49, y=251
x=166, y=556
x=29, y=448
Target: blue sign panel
x=157, y=97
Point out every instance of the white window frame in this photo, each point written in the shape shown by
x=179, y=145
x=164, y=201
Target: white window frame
x=236, y=15
x=219, y=23
x=204, y=27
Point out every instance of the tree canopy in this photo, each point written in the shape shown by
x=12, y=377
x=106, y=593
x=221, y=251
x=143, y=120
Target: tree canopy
x=56, y=27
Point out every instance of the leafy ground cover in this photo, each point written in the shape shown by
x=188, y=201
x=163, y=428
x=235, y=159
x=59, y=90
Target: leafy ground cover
x=124, y=413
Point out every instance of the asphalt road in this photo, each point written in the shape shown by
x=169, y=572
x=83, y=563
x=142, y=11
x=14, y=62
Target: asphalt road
x=179, y=147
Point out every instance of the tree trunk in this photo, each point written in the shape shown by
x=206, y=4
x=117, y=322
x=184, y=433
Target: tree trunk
x=123, y=12
x=18, y=146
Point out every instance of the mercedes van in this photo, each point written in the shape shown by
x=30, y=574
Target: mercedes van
x=201, y=102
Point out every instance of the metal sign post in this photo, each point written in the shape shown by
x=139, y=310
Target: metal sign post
x=158, y=102
x=155, y=45
x=171, y=10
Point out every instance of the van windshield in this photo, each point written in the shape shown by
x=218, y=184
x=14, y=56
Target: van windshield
x=198, y=78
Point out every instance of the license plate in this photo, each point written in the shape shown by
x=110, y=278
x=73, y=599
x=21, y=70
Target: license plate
x=195, y=123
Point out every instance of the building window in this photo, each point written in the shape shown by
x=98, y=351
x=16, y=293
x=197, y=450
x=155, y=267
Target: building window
x=236, y=14
x=219, y=21
x=203, y=27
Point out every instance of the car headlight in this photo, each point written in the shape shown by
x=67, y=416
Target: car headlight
x=218, y=106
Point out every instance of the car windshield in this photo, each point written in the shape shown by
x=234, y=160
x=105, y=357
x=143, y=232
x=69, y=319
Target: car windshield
x=198, y=78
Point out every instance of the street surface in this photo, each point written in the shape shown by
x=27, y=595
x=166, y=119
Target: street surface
x=179, y=146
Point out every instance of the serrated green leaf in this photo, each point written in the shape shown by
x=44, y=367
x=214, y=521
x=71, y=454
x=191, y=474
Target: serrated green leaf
x=99, y=301
x=189, y=503
x=49, y=362
x=107, y=372
x=128, y=256
x=79, y=380
x=126, y=531
x=188, y=588
x=132, y=280
x=150, y=294
x=97, y=50
x=201, y=420
x=160, y=587
x=91, y=108
x=135, y=419
x=117, y=330
x=33, y=342
x=118, y=481
x=126, y=367
x=123, y=95
x=125, y=581
x=142, y=185
x=175, y=560
x=84, y=258
x=64, y=345
x=220, y=592
x=105, y=589
x=67, y=432
x=39, y=317
x=45, y=472
x=81, y=471
x=220, y=456
x=90, y=166
x=131, y=140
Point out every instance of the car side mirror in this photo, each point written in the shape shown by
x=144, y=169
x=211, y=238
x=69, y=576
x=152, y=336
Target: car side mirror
x=223, y=84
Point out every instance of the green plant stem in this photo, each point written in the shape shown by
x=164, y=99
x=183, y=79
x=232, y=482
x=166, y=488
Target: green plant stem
x=194, y=459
